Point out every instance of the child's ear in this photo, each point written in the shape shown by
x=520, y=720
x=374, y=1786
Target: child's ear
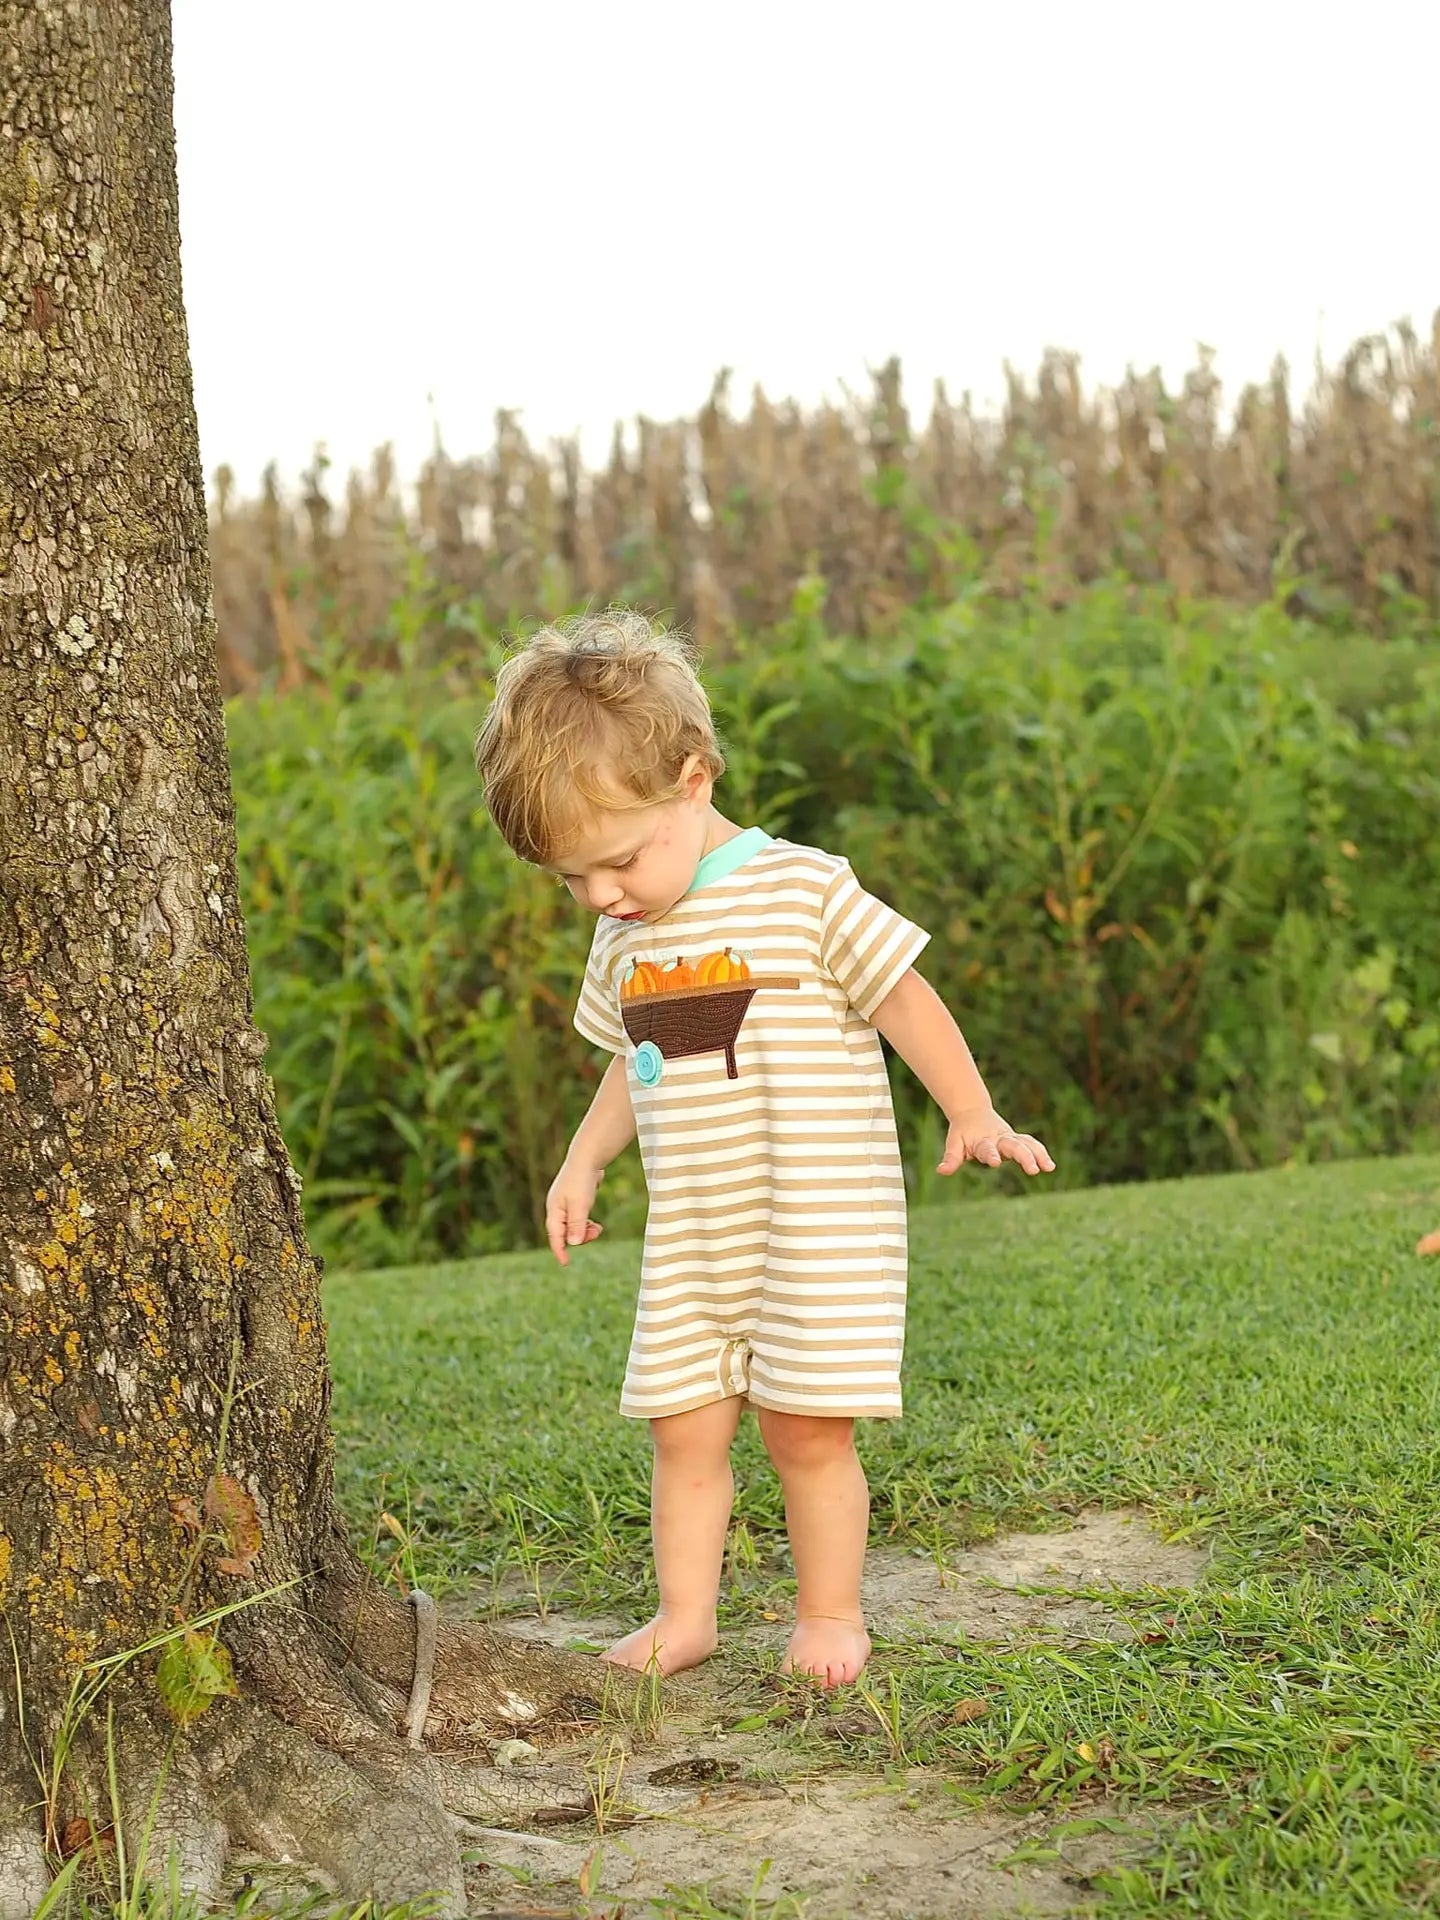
x=697, y=782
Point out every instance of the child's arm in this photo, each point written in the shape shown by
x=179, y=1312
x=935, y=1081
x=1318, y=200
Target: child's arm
x=917, y=1023
x=607, y=1129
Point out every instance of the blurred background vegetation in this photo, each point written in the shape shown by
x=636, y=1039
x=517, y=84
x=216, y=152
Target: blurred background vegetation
x=1136, y=707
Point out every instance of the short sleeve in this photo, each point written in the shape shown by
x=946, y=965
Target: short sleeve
x=866, y=946
x=597, y=1015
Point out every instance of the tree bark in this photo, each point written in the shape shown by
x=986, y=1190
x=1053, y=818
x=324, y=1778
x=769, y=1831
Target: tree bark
x=153, y=1237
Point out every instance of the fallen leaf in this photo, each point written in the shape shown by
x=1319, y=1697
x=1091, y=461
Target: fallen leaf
x=1429, y=1243
x=78, y=1834
x=965, y=1710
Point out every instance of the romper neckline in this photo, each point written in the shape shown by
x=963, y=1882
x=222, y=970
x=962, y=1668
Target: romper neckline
x=722, y=861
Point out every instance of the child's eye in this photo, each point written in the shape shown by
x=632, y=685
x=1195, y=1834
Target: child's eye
x=566, y=879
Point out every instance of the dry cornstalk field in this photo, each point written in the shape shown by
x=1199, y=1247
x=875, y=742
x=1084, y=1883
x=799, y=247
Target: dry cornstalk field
x=719, y=518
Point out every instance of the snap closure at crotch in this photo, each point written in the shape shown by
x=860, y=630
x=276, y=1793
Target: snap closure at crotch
x=733, y=1367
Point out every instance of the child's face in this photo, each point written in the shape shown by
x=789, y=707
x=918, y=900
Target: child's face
x=635, y=866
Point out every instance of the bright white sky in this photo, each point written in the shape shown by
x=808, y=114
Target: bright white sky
x=584, y=208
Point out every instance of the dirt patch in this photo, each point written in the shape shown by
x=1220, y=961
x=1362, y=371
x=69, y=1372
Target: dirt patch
x=1024, y=1584
x=699, y=1807
x=861, y=1848
x=1020, y=1585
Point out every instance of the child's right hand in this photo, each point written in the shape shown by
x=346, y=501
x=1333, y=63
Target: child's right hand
x=567, y=1209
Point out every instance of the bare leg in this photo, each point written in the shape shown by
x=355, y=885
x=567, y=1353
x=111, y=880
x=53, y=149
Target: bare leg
x=691, y=1489
x=827, y=1515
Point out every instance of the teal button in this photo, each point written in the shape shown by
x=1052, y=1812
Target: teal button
x=649, y=1063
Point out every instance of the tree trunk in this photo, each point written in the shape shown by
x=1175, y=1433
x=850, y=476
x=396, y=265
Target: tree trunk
x=163, y=1379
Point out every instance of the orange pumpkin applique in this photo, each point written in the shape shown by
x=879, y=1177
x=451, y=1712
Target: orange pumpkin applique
x=678, y=974
x=717, y=969
x=643, y=977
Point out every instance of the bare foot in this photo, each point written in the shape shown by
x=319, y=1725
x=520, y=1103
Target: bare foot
x=835, y=1651
x=664, y=1646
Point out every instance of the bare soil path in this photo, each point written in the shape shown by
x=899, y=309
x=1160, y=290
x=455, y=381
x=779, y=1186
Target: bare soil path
x=764, y=1828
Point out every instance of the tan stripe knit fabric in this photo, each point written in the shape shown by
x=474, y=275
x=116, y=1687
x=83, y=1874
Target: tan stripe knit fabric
x=774, y=1262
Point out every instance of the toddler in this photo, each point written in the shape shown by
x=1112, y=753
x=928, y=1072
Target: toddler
x=742, y=983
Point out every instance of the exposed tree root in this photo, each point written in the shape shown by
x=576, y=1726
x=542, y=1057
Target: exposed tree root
x=481, y=1678
x=502, y=1799
x=360, y=1820
x=316, y=1762
x=375, y=1820
x=166, y=1798
x=24, y=1874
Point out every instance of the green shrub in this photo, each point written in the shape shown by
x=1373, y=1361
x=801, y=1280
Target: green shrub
x=1185, y=898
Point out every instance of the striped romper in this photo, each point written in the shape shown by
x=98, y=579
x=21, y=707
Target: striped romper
x=774, y=1261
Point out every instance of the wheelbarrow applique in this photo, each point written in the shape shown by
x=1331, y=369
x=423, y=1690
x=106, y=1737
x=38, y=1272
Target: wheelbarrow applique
x=702, y=1015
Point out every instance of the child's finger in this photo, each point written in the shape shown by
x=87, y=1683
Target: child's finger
x=1027, y=1152
x=555, y=1233
x=582, y=1230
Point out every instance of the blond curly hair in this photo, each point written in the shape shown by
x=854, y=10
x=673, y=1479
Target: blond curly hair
x=598, y=714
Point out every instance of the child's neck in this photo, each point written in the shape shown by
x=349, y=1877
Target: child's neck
x=717, y=831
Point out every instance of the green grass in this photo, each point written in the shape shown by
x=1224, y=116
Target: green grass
x=1252, y=1358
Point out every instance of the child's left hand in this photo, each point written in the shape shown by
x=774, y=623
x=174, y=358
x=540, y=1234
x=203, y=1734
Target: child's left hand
x=984, y=1136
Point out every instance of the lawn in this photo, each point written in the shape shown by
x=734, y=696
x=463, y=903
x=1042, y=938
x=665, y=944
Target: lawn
x=1251, y=1359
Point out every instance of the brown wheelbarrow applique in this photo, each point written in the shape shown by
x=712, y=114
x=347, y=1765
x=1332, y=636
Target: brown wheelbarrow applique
x=702, y=1012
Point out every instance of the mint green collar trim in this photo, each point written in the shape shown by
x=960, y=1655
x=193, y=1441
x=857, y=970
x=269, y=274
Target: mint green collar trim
x=729, y=855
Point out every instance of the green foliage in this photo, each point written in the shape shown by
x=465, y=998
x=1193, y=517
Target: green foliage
x=1181, y=865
